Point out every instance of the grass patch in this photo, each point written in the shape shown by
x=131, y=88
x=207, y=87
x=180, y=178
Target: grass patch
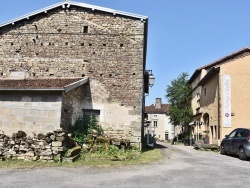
x=96, y=159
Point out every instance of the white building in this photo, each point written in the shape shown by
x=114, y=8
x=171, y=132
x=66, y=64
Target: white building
x=159, y=119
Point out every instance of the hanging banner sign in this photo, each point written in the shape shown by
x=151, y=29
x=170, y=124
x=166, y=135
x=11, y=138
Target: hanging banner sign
x=227, y=101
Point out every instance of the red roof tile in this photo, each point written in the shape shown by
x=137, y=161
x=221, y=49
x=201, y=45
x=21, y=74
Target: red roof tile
x=36, y=83
x=152, y=110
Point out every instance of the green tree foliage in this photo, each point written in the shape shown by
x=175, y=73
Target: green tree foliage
x=179, y=96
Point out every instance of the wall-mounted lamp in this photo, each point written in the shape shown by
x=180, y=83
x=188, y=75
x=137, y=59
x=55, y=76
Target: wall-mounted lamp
x=151, y=78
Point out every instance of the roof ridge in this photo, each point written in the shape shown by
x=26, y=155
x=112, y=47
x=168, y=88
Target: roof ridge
x=225, y=58
x=67, y=4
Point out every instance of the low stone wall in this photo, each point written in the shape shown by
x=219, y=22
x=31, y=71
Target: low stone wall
x=201, y=146
x=43, y=147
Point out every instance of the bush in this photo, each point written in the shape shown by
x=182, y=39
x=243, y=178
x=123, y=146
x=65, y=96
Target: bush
x=83, y=127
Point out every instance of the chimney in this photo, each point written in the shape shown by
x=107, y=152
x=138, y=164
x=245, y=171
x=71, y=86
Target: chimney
x=158, y=103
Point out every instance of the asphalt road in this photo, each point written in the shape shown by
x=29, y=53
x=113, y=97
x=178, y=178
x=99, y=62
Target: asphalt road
x=181, y=167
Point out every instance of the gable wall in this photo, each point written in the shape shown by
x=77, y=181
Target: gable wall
x=238, y=69
x=54, y=45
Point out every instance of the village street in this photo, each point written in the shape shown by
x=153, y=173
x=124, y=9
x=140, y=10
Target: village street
x=182, y=166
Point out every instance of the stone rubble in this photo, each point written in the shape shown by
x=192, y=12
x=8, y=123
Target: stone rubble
x=41, y=147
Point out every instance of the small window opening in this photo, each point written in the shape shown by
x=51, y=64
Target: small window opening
x=85, y=29
x=155, y=123
x=91, y=113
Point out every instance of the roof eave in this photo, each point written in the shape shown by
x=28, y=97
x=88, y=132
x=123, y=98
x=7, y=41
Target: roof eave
x=68, y=4
x=209, y=75
x=30, y=89
x=76, y=84
x=219, y=61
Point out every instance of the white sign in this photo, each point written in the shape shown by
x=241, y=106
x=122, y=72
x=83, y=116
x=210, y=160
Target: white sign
x=226, y=101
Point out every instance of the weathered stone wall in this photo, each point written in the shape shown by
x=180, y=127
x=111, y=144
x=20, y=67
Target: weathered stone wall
x=78, y=42
x=29, y=112
x=42, y=147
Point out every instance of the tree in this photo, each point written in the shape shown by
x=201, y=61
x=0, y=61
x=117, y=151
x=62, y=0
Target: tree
x=179, y=97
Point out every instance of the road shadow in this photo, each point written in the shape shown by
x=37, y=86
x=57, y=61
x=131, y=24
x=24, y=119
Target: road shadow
x=160, y=146
x=156, y=146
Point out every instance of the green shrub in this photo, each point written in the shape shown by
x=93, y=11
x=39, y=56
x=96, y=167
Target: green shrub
x=83, y=127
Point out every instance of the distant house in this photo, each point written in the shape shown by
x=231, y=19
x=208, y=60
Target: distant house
x=159, y=121
x=220, y=97
x=73, y=59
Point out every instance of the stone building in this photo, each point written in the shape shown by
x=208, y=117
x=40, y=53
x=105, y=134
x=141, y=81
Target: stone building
x=71, y=59
x=220, y=93
x=159, y=121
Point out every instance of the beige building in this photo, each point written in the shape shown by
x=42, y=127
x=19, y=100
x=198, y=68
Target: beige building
x=73, y=59
x=159, y=121
x=220, y=92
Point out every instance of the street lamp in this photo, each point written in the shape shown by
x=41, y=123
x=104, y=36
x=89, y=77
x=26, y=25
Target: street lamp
x=151, y=78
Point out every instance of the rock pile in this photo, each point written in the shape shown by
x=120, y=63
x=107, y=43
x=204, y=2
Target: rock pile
x=43, y=147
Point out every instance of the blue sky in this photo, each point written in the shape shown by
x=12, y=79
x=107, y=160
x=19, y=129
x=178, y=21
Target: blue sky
x=183, y=35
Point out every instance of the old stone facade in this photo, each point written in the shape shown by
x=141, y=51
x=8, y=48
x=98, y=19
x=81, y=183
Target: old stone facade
x=74, y=40
x=220, y=97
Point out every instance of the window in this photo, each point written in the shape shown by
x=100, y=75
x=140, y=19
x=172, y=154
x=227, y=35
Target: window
x=198, y=100
x=91, y=113
x=85, y=29
x=172, y=127
x=155, y=123
x=155, y=115
x=239, y=134
x=232, y=134
x=205, y=91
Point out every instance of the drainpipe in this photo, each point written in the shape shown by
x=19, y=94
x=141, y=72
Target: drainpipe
x=219, y=106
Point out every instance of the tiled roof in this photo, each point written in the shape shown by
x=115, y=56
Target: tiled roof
x=53, y=84
x=217, y=62
x=152, y=110
x=225, y=58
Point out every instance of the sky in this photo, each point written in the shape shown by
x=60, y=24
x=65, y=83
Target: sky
x=183, y=35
